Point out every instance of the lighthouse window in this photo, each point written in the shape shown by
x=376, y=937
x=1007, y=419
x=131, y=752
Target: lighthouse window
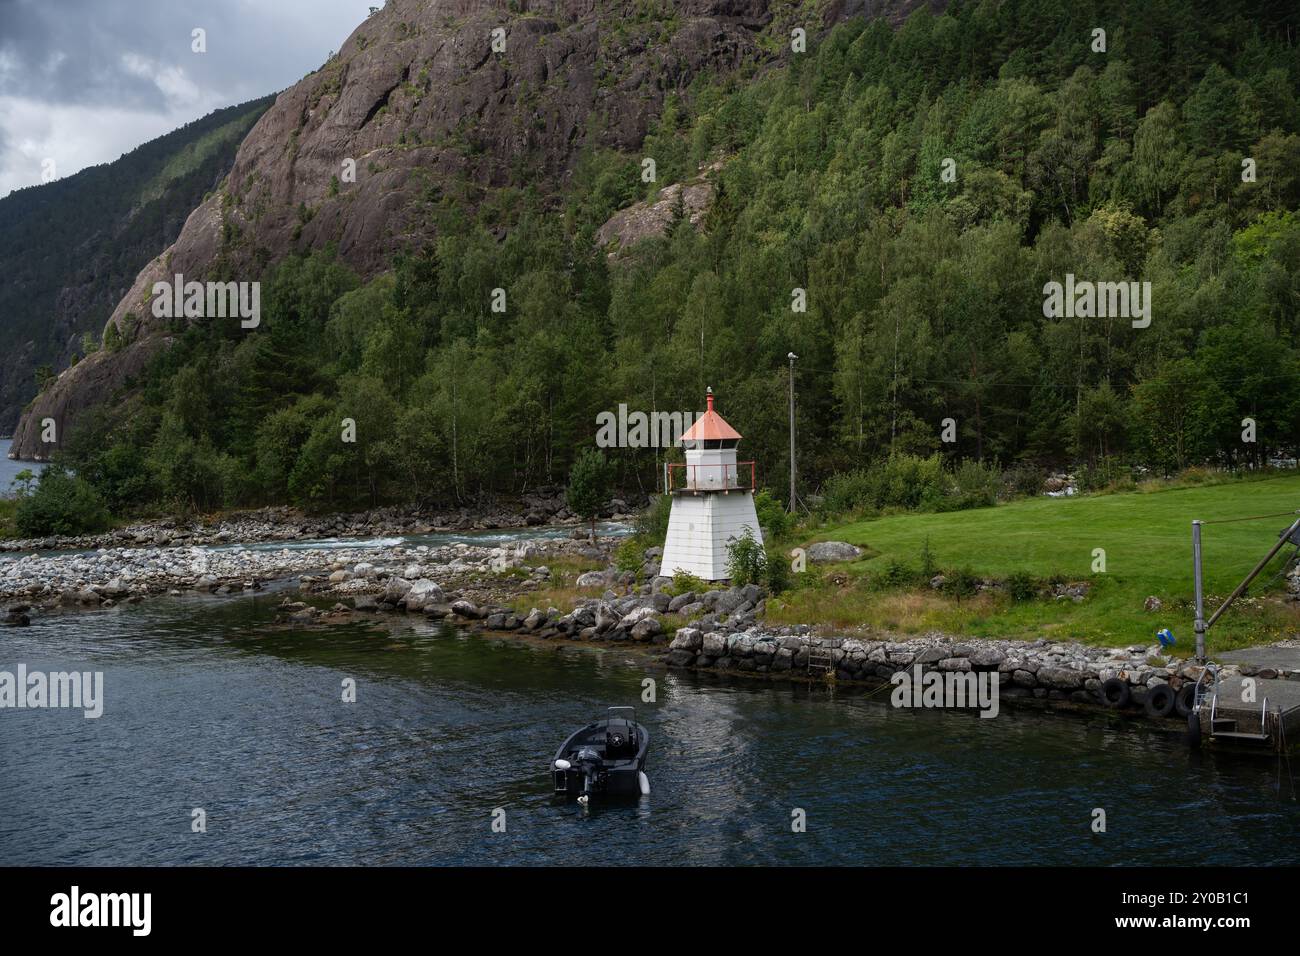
x=719, y=443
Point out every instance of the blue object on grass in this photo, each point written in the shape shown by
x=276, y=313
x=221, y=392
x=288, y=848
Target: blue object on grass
x=1166, y=637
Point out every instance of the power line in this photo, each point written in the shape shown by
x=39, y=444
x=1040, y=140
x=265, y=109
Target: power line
x=823, y=370
x=1279, y=514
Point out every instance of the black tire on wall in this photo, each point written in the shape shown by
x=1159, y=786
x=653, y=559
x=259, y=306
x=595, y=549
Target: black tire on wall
x=1115, y=693
x=1194, y=731
x=1160, y=700
x=1184, y=700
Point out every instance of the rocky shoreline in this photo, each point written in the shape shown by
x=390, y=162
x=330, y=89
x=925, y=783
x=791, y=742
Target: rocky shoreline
x=718, y=630
x=723, y=635
x=112, y=575
x=547, y=507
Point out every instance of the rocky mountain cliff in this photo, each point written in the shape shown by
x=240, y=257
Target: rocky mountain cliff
x=69, y=249
x=418, y=102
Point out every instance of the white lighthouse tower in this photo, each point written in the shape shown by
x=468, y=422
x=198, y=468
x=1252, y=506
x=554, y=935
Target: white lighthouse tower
x=712, y=500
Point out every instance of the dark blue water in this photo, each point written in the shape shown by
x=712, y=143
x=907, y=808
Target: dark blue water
x=9, y=469
x=209, y=706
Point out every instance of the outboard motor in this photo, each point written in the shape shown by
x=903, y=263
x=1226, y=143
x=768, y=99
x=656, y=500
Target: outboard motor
x=589, y=762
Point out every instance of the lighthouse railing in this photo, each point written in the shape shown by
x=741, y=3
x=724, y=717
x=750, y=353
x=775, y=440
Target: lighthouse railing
x=712, y=477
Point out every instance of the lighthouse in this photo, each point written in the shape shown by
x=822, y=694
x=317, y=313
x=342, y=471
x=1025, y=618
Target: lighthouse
x=712, y=500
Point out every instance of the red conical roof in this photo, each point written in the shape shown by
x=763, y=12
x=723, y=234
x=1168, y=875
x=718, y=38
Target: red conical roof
x=710, y=426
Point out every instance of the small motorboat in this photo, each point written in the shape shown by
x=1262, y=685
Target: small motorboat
x=604, y=759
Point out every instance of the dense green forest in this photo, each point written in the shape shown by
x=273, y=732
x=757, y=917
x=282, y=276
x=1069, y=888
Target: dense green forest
x=924, y=297
x=70, y=248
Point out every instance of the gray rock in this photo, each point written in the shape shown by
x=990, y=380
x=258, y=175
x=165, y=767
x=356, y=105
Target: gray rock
x=466, y=608
x=825, y=552
x=986, y=658
x=728, y=600
x=636, y=616
x=687, y=638
x=422, y=593
x=606, y=617
x=714, y=644
x=681, y=601
x=395, y=590
x=645, y=630
x=1060, y=677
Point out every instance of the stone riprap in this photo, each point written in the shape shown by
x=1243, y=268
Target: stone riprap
x=1042, y=670
x=109, y=575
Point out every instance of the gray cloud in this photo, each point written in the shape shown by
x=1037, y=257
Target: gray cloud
x=82, y=80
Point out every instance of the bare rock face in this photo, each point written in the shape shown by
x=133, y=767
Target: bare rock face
x=99, y=375
x=690, y=200
x=416, y=102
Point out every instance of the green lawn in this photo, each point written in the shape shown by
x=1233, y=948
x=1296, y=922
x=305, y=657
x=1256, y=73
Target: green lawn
x=1147, y=539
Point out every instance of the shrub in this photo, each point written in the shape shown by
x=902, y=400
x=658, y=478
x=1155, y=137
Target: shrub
x=630, y=555
x=62, y=503
x=928, y=565
x=1106, y=472
x=847, y=491
x=1025, y=480
x=778, y=571
x=911, y=483
x=961, y=583
x=652, y=523
x=896, y=574
x=976, y=486
x=8, y=511
x=591, y=480
x=1022, y=586
x=746, y=560
x=772, y=516
x=684, y=582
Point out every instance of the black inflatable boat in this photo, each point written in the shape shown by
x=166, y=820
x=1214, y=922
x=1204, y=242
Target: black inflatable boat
x=604, y=759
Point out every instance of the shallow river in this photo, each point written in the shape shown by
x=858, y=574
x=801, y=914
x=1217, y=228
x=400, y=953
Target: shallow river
x=209, y=706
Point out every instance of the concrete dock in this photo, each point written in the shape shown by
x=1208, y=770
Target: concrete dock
x=1265, y=717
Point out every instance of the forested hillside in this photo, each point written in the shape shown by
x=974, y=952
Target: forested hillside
x=924, y=296
x=70, y=248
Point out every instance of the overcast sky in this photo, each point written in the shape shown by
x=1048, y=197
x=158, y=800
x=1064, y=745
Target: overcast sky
x=84, y=81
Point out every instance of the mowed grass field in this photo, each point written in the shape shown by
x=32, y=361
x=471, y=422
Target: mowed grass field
x=1146, y=536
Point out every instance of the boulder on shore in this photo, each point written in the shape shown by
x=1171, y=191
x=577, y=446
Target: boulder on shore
x=823, y=552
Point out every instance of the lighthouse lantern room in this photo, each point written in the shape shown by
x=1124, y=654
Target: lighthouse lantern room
x=712, y=500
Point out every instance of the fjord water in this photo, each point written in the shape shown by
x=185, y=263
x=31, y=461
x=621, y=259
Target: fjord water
x=10, y=468
x=209, y=705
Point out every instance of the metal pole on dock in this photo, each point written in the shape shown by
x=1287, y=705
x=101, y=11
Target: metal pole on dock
x=1200, y=592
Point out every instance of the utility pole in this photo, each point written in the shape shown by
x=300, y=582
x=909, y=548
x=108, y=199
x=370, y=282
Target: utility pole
x=792, y=357
x=1198, y=625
